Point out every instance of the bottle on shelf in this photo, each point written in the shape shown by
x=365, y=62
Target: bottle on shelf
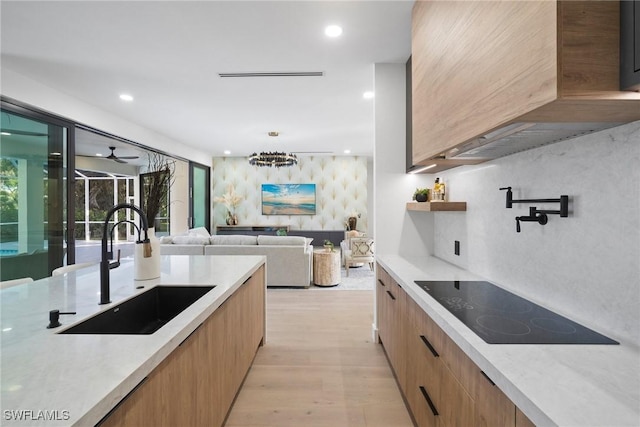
x=437, y=191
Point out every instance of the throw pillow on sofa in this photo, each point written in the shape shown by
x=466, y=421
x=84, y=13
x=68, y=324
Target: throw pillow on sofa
x=233, y=240
x=283, y=240
x=199, y=232
x=190, y=240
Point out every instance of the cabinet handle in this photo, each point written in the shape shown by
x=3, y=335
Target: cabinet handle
x=189, y=336
x=429, y=401
x=429, y=346
x=487, y=377
x=247, y=279
x=381, y=282
x=391, y=295
x=102, y=421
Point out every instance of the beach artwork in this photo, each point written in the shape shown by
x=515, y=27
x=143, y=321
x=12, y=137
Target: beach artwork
x=288, y=199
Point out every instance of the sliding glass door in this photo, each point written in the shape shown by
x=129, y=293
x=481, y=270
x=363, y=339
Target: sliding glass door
x=47, y=205
x=199, y=196
x=33, y=193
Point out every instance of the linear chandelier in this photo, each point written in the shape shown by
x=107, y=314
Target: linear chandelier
x=273, y=159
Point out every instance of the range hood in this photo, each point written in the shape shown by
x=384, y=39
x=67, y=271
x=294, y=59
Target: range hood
x=522, y=136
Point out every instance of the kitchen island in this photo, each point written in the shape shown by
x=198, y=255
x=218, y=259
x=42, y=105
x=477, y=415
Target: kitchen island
x=552, y=385
x=56, y=379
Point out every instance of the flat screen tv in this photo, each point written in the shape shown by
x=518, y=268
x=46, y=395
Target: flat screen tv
x=288, y=199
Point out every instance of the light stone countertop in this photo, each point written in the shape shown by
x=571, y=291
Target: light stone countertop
x=554, y=385
x=78, y=379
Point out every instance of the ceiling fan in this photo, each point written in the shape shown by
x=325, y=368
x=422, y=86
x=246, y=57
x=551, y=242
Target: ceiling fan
x=118, y=159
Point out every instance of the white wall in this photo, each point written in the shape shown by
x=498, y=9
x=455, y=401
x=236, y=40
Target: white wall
x=49, y=99
x=586, y=266
x=396, y=230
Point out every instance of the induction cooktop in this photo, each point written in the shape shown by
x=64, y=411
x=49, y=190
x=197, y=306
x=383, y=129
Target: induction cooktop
x=500, y=317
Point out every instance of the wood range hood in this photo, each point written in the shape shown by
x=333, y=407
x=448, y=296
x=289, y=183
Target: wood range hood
x=490, y=79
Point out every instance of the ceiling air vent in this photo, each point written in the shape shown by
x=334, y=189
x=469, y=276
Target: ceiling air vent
x=275, y=74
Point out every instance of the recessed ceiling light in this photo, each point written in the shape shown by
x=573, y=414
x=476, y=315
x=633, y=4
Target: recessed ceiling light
x=347, y=151
x=333, y=31
x=273, y=133
x=368, y=95
x=98, y=154
x=227, y=152
x=5, y=133
x=126, y=97
x=55, y=153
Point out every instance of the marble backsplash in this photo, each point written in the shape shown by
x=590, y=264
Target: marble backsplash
x=586, y=266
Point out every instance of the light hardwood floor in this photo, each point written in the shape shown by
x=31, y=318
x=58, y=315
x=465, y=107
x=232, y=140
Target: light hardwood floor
x=319, y=366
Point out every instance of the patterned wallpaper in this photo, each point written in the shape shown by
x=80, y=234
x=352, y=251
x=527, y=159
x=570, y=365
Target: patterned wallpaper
x=341, y=188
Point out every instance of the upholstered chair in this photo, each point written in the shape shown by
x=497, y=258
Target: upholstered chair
x=360, y=251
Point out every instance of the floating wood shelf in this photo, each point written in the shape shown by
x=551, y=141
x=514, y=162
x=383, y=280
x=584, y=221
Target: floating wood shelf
x=437, y=206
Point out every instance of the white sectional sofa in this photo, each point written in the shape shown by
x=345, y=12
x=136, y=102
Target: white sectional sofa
x=289, y=258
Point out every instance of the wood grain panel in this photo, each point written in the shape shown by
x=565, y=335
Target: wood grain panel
x=422, y=366
x=197, y=383
x=589, y=42
x=477, y=65
x=585, y=108
x=165, y=398
x=457, y=407
x=399, y=331
x=437, y=206
x=493, y=407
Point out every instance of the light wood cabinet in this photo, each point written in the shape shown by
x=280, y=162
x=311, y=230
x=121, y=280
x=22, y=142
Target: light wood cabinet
x=391, y=300
x=399, y=332
x=197, y=383
x=522, y=420
x=493, y=407
x=388, y=303
x=479, y=66
x=382, y=310
x=441, y=384
x=432, y=387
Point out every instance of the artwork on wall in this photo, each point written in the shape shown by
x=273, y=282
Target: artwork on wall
x=288, y=199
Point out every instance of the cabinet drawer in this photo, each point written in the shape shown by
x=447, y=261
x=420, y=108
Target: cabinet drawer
x=451, y=377
x=462, y=368
x=493, y=407
x=382, y=315
x=433, y=393
x=423, y=325
x=423, y=380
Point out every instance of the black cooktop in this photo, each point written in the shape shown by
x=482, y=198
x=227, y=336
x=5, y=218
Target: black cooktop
x=500, y=317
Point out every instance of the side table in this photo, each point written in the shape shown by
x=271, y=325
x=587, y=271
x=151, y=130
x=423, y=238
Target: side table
x=326, y=267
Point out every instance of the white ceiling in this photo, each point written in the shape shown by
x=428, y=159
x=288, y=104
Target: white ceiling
x=168, y=56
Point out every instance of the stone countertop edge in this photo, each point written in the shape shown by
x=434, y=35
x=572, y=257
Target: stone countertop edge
x=91, y=384
x=552, y=384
